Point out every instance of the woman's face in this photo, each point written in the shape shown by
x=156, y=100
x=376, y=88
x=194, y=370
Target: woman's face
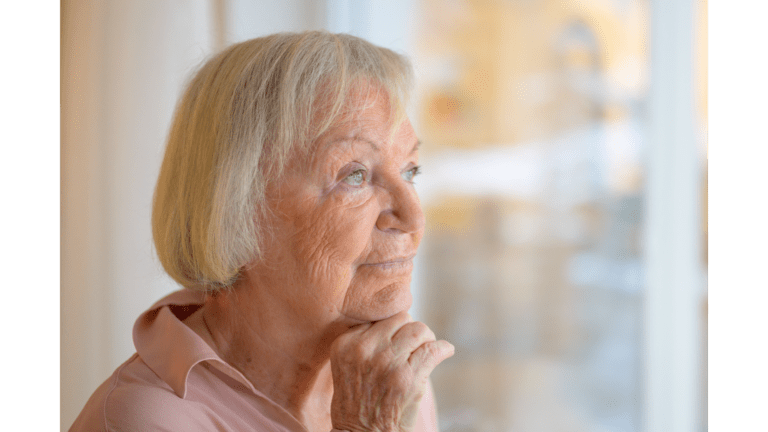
x=346, y=224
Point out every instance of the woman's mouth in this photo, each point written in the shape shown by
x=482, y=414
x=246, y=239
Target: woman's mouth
x=395, y=263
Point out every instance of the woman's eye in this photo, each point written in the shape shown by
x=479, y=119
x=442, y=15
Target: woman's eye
x=356, y=178
x=411, y=173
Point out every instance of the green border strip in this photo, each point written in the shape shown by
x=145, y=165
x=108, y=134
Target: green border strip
x=29, y=170
x=738, y=216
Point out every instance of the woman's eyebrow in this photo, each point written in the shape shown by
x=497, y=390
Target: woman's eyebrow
x=367, y=141
x=416, y=146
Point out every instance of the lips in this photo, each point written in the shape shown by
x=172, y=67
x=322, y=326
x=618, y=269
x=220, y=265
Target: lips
x=392, y=262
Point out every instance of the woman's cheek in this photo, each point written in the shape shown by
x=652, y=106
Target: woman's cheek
x=352, y=197
x=343, y=224
x=326, y=244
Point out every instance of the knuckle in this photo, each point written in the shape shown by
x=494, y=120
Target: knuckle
x=421, y=330
x=347, y=352
x=419, y=327
x=382, y=361
x=341, y=346
x=358, y=350
x=369, y=345
x=431, y=350
x=338, y=344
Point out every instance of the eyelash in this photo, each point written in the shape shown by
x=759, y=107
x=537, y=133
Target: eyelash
x=414, y=172
x=360, y=171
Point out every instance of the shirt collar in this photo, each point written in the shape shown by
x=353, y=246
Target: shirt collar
x=170, y=348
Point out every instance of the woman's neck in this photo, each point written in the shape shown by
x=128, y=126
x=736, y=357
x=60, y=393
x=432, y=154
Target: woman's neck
x=283, y=356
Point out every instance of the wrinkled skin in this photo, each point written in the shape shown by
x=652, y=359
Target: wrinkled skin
x=324, y=310
x=380, y=374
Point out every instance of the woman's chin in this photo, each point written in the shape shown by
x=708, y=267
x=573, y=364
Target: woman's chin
x=385, y=303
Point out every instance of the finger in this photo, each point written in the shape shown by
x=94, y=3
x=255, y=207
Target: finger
x=411, y=336
x=387, y=328
x=428, y=356
x=366, y=339
x=351, y=336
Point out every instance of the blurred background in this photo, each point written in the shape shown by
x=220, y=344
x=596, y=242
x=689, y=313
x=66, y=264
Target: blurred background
x=565, y=183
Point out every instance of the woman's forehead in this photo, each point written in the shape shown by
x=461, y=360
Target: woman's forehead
x=372, y=127
x=365, y=119
x=369, y=124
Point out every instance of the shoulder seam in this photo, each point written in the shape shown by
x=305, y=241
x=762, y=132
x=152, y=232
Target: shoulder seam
x=113, y=387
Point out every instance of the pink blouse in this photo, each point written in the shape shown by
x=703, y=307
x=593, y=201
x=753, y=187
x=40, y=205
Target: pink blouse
x=175, y=382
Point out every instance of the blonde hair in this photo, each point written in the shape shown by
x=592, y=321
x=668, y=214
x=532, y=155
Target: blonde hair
x=243, y=115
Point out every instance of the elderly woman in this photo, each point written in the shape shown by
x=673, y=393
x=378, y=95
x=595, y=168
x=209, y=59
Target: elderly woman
x=286, y=209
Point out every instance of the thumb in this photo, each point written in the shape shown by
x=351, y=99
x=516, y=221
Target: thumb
x=428, y=356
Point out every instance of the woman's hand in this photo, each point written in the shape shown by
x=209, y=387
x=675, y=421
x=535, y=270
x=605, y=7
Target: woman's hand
x=380, y=373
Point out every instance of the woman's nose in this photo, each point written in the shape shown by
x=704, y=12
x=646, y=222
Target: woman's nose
x=401, y=210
